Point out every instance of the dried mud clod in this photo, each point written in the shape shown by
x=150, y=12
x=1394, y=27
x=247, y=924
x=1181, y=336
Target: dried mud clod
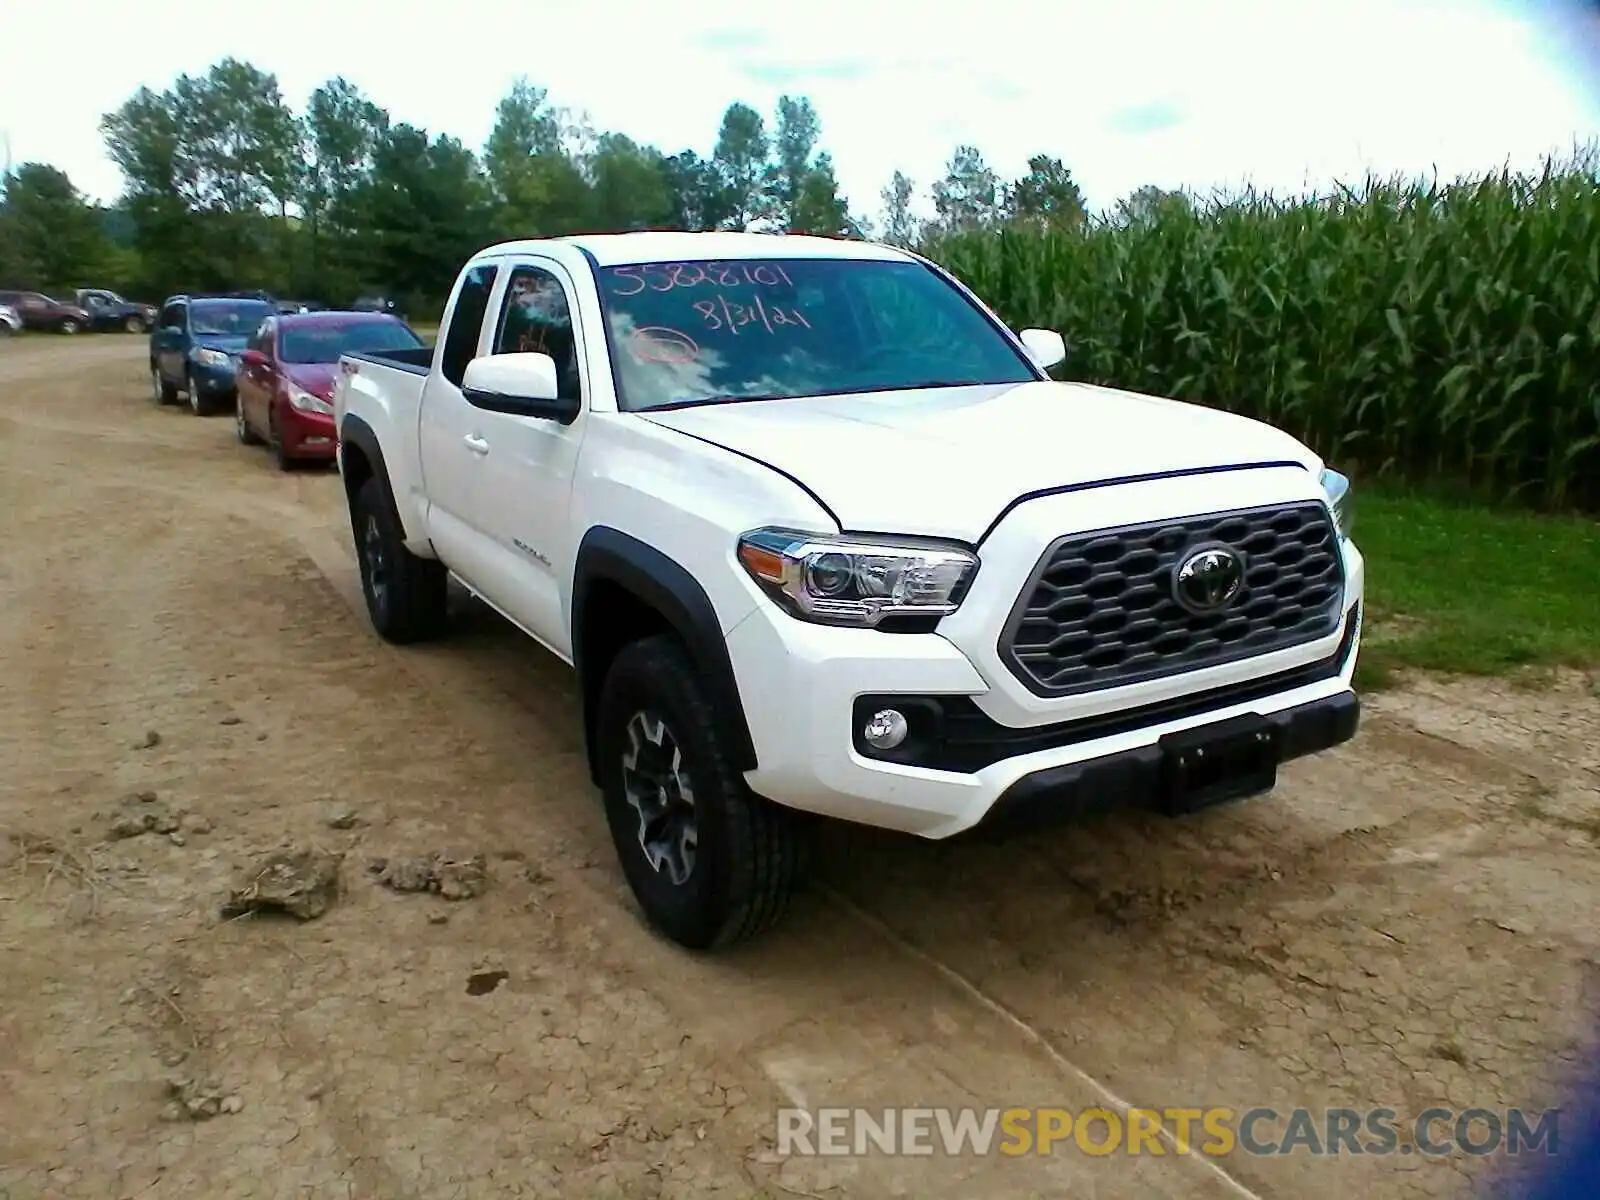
x=301, y=883
x=141, y=812
x=198, y=1099
x=452, y=876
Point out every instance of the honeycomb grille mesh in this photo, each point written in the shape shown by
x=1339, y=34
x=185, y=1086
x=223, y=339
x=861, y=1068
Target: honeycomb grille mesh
x=1100, y=612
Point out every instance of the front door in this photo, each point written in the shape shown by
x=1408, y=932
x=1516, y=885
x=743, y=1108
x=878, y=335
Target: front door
x=169, y=337
x=528, y=470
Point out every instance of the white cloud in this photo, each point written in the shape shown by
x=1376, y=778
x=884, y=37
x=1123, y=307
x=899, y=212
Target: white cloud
x=1280, y=92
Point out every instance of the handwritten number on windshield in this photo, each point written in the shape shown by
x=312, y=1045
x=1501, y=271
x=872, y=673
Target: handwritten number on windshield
x=720, y=314
x=666, y=277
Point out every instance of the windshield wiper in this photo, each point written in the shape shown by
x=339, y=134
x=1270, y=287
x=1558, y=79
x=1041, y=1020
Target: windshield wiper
x=701, y=401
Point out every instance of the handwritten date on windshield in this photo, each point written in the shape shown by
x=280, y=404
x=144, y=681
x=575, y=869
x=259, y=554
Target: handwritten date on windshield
x=758, y=315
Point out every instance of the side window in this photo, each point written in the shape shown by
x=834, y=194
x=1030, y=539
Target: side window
x=466, y=322
x=536, y=318
x=171, y=315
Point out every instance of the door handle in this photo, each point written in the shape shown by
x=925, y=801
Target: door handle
x=475, y=443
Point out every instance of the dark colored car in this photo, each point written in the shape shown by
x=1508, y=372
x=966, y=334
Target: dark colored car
x=39, y=311
x=378, y=304
x=287, y=372
x=107, y=310
x=195, y=348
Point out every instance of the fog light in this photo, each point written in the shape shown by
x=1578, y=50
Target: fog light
x=886, y=730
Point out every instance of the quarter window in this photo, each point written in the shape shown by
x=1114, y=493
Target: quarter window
x=466, y=322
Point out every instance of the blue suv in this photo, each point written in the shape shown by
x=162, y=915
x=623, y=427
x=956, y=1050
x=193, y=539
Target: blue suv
x=195, y=348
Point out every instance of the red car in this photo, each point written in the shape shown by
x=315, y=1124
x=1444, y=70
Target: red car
x=286, y=376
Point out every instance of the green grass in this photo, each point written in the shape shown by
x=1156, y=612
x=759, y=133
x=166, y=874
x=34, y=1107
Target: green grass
x=1458, y=587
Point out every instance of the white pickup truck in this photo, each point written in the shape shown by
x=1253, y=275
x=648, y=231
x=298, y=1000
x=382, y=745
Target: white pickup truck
x=820, y=535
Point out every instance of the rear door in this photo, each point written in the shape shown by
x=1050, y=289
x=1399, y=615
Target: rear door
x=450, y=442
x=168, y=338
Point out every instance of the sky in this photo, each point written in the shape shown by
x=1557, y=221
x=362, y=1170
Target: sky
x=1281, y=94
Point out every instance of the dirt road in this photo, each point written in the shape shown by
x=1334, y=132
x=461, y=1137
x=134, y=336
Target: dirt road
x=1407, y=922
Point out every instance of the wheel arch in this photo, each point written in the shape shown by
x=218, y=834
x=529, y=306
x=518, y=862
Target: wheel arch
x=623, y=590
x=361, y=459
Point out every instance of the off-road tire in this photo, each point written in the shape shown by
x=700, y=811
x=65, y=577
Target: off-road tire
x=750, y=854
x=410, y=601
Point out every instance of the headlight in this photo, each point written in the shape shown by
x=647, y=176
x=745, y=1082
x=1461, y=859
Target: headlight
x=854, y=581
x=307, y=403
x=1337, y=488
x=211, y=358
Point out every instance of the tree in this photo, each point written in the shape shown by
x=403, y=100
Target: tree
x=700, y=200
x=538, y=189
x=342, y=129
x=818, y=207
x=50, y=236
x=427, y=207
x=1046, y=196
x=741, y=159
x=899, y=225
x=632, y=184
x=796, y=141
x=968, y=197
x=1149, y=203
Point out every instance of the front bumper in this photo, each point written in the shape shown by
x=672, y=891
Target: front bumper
x=807, y=689
x=213, y=380
x=307, y=435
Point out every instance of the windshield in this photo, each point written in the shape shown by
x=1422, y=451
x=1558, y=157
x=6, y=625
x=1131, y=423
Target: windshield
x=228, y=318
x=324, y=343
x=696, y=332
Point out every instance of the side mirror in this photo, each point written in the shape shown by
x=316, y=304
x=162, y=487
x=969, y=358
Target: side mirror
x=1045, y=346
x=172, y=331
x=253, y=358
x=523, y=385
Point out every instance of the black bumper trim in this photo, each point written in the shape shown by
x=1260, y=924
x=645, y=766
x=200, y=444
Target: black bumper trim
x=1133, y=778
x=951, y=733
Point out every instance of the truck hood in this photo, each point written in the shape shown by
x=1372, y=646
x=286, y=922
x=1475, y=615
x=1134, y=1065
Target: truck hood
x=945, y=462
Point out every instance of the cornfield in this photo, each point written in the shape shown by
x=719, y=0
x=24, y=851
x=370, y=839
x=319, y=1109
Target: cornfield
x=1435, y=334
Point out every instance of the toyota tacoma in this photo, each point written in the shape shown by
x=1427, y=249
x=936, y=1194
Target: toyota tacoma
x=821, y=536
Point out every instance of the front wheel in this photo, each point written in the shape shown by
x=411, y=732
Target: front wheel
x=70, y=326
x=709, y=861
x=134, y=325
x=407, y=596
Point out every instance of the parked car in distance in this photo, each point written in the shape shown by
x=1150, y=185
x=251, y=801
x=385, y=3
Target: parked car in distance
x=195, y=348
x=41, y=312
x=820, y=535
x=107, y=310
x=10, y=323
x=285, y=307
x=287, y=372
x=383, y=304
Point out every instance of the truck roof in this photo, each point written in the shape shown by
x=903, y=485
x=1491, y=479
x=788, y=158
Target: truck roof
x=672, y=245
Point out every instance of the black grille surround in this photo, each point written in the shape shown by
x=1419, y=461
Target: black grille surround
x=1098, y=610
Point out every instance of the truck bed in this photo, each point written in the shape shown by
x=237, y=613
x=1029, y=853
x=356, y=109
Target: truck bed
x=417, y=362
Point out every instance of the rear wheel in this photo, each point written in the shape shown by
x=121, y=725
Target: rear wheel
x=241, y=427
x=406, y=596
x=163, y=391
x=709, y=861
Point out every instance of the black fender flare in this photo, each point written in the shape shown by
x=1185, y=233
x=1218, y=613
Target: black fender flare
x=356, y=432
x=609, y=555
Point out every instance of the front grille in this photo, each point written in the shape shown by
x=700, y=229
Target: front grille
x=1099, y=609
